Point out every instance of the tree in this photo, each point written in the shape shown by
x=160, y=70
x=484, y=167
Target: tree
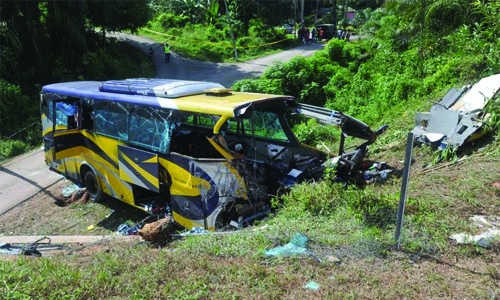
x=35, y=31
x=118, y=15
x=441, y=16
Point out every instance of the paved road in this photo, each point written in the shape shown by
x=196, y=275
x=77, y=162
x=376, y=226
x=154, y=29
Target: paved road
x=26, y=175
x=224, y=73
x=23, y=177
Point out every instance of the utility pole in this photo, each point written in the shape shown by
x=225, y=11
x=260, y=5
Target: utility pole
x=316, y=13
x=334, y=16
x=302, y=13
x=232, y=34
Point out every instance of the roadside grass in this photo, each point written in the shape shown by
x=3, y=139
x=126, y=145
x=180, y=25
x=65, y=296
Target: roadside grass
x=195, y=44
x=352, y=253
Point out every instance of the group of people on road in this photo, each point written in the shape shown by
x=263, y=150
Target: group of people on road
x=166, y=50
x=306, y=37
x=343, y=34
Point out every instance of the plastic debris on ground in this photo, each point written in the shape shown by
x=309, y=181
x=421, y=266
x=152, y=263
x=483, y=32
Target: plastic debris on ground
x=127, y=229
x=491, y=234
x=312, y=285
x=297, y=246
x=195, y=231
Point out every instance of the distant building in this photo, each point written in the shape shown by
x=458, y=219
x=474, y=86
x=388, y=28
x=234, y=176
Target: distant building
x=350, y=14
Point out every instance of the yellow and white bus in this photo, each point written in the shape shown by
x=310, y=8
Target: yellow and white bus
x=213, y=156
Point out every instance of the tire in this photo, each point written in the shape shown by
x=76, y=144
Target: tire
x=92, y=186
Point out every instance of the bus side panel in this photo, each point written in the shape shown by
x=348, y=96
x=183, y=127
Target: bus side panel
x=200, y=188
x=101, y=153
x=67, y=144
x=139, y=167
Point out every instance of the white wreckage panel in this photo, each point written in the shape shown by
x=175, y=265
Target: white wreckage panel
x=458, y=115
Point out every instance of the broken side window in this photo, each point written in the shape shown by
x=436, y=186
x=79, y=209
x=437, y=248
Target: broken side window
x=67, y=113
x=150, y=128
x=190, y=133
x=111, y=119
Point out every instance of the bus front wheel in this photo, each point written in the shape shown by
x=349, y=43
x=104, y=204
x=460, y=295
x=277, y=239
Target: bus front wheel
x=92, y=186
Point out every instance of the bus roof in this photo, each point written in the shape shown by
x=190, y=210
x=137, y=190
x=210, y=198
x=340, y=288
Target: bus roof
x=209, y=97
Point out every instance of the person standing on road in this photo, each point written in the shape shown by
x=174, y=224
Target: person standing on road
x=167, y=53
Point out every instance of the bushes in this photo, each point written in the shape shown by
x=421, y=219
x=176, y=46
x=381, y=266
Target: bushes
x=15, y=109
x=214, y=42
x=117, y=60
x=168, y=21
x=12, y=148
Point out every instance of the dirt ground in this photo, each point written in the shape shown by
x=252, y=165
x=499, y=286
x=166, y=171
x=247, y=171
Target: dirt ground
x=465, y=276
x=44, y=214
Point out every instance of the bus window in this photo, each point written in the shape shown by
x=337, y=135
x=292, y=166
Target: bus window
x=195, y=120
x=111, y=119
x=264, y=124
x=150, y=128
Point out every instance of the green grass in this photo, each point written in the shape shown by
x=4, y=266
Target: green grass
x=193, y=44
x=350, y=232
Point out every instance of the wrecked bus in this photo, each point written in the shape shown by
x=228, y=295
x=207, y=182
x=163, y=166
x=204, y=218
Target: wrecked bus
x=211, y=156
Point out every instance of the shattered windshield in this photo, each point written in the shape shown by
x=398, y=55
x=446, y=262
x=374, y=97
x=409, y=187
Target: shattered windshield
x=261, y=123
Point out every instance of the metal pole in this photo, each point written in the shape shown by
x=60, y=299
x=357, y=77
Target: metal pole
x=231, y=30
x=404, y=189
x=302, y=13
x=334, y=15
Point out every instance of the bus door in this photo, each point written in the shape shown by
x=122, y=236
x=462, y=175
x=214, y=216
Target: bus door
x=63, y=139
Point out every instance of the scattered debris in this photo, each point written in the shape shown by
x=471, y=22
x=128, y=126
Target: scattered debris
x=312, y=285
x=63, y=239
x=128, y=229
x=297, y=246
x=458, y=117
x=376, y=172
x=195, y=231
x=333, y=259
x=31, y=249
x=484, y=239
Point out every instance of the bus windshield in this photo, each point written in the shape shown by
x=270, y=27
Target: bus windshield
x=261, y=123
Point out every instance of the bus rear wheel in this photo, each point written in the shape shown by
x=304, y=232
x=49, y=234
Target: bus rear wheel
x=92, y=186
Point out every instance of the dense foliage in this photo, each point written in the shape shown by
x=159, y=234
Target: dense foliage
x=407, y=51
x=397, y=63
x=51, y=41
